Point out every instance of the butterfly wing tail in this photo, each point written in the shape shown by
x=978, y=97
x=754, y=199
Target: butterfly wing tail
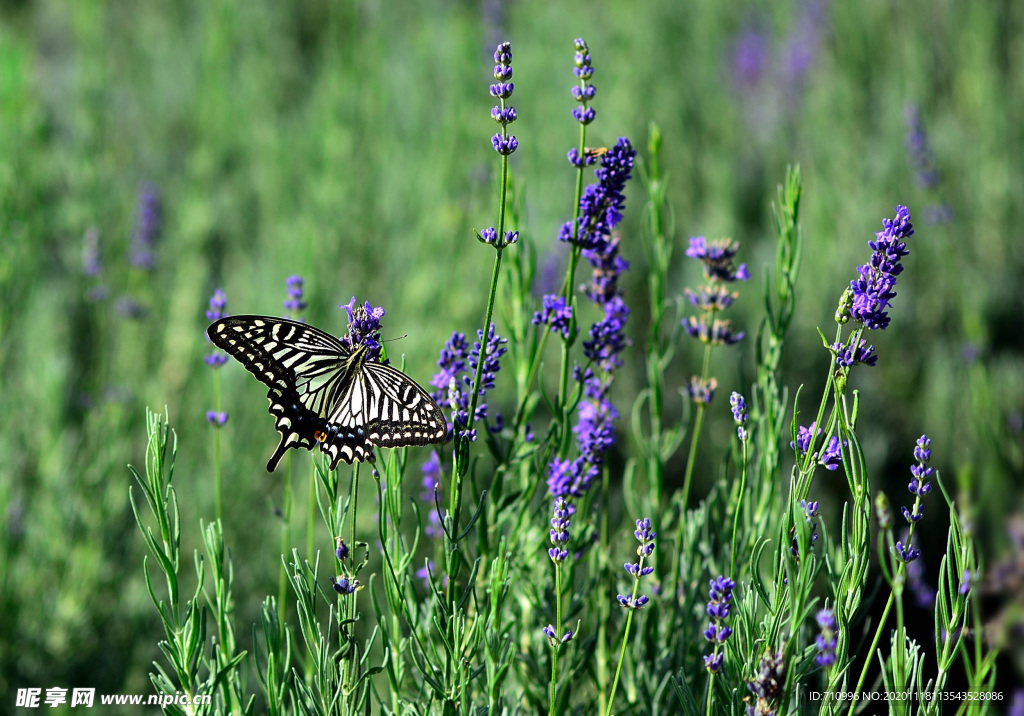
x=297, y=425
x=282, y=448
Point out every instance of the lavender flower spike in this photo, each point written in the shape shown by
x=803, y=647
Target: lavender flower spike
x=919, y=485
x=645, y=536
x=147, y=229
x=556, y=314
x=739, y=415
x=718, y=608
x=601, y=204
x=559, y=531
x=826, y=641
x=875, y=289
x=584, y=91
x=503, y=143
x=216, y=311
x=364, y=327
x=294, y=303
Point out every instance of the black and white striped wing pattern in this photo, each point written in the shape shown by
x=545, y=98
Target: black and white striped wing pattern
x=323, y=392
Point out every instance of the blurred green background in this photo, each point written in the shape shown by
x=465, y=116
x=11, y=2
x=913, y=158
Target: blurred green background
x=349, y=142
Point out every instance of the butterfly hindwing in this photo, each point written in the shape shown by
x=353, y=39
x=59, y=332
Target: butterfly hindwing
x=403, y=413
x=322, y=391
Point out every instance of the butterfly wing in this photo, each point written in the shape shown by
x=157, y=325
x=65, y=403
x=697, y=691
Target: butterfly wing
x=321, y=391
x=300, y=364
x=393, y=410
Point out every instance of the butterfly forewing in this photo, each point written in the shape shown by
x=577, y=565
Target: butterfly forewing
x=322, y=391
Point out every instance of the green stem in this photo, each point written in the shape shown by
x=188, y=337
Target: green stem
x=622, y=656
x=711, y=692
x=286, y=518
x=351, y=661
x=311, y=513
x=217, y=488
x=558, y=634
x=691, y=458
x=736, y=516
x=604, y=597
x=310, y=547
x=871, y=651
x=567, y=290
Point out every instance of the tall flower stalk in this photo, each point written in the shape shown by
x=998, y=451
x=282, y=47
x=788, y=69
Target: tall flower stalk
x=216, y=417
x=499, y=239
x=294, y=305
x=633, y=601
x=558, y=554
x=710, y=299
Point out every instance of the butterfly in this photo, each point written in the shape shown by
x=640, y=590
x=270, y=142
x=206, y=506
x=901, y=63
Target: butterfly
x=323, y=392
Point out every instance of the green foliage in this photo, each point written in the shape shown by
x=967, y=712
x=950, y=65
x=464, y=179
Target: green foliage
x=348, y=142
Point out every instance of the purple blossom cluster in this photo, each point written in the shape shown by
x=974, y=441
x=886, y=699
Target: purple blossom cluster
x=601, y=204
x=364, y=328
x=701, y=390
x=341, y=549
x=919, y=486
x=717, y=258
x=453, y=383
x=645, y=536
x=739, y=415
x=607, y=266
x=826, y=640
x=810, y=514
x=344, y=586
x=147, y=229
x=584, y=91
x=831, y=456
x=559, y=531
x=595, y=433
x=607, y=336
x=718, y=608
x=489, y=236
x=216, y=418
x=714, y=297
x=556, y=313
x=853, y=353
x=503, y=143
x=294, y=303
x=216, y=311
x=875, y=288
x=554, y=639
x=768, y=686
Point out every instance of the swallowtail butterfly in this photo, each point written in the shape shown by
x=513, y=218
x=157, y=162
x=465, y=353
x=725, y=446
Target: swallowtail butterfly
x=325, y=392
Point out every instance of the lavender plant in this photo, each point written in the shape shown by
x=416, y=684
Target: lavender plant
x=441, y=599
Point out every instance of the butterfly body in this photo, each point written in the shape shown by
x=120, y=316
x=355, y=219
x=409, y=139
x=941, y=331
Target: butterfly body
x=324, y=392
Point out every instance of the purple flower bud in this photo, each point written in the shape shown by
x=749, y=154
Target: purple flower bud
x=504, y=146
x=216, y=419
x=584, y=115
x=826, y=641
x=556, y=314
x=344, y=585
x=294, y=302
